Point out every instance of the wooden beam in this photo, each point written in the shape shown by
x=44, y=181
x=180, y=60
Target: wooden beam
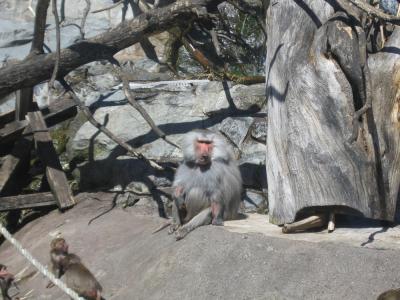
x=47, y=154
x=55, y=113
x=27, y=201
x=12, y=163
x=6, y=118
x=23, y=103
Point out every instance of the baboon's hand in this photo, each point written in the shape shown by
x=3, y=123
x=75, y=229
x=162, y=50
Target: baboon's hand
x=180, y=233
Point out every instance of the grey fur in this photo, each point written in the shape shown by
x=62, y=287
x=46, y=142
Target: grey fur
x=219, y=182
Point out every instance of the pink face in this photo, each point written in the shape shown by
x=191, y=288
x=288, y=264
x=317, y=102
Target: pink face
x=5, y=274
x=62, y=245
x=203, y=149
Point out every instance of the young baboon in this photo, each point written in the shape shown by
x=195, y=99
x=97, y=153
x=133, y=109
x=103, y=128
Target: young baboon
x=6, y=279
x=80, y=279
x=77, y=276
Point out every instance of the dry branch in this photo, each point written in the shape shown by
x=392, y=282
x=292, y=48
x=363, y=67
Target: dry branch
x=132, y=101
x=32, y=71
x=372, y=11
x=108, y=8
x=305, y=224
x=218, y=72
x=104, y=130
x=58, y=43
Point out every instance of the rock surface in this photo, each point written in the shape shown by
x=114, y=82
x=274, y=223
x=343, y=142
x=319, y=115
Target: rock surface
x=176, y=107
x=246, y=259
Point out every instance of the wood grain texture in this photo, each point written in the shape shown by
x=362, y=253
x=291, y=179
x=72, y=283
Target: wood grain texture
x=27, y=201
x=34, y=70
x=48, y=156
x=311, y=161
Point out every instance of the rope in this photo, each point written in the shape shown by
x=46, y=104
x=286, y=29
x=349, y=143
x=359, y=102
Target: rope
x=42, y=269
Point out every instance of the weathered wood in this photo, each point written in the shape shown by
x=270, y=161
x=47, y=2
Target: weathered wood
x=32, y=71
x=331, y=222
x=305, y=224
x=27, y=201
x=55, y=113
x=315, y=83
x=23, y=103
x=48, y=156
x=13, y=161
x=13, y=130
x=7, y=118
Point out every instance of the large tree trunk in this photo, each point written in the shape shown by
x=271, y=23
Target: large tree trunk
x=317, y=78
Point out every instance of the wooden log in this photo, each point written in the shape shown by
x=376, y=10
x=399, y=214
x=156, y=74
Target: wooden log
x=55, y=113
x=47, y=154
x=27, y=201
x=313, y=95
x=305, y=224
x=32, y=71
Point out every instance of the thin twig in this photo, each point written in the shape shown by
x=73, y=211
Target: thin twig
x=58, y=43
x=30, y=8
x=104, y=130
x=108, y=8
x=373, y=11
x=83, y=22
x=214, y=39
x=132, y=101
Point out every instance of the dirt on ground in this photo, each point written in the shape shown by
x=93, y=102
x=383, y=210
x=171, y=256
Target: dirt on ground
x=245, y=259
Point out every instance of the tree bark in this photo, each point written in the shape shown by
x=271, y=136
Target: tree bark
x=317, y=78
x=32, y=71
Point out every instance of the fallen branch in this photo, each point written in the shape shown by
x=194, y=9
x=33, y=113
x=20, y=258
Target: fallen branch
x=373, y=11
x=132, y=101
x=221, y=74
x=104, y=130
x=307, y=223
x=32, y=71
x=108, y=8
x=58, y=44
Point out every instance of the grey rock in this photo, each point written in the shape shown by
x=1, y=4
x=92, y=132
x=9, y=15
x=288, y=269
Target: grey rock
x=259, y=130
x=249, y=97
x=255, y=201
x=236, y=129
x=212, y=98
x=221, y=264
x=174, y=106
x=252, y=164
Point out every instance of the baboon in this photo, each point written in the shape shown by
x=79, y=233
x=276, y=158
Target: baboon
x=207, y=185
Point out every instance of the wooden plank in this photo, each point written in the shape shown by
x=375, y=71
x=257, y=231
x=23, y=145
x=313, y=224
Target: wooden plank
x=55, y=113
x=23, y=103
x=6, y=118
x=27, y=201
x=12, y=163
x=13, y=130
x=47, y=154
